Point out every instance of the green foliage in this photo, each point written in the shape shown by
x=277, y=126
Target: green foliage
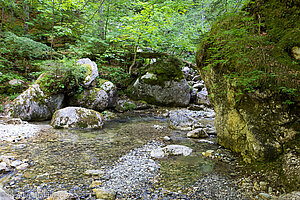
x=63, y=77
x=5, y=87
x=250, y=59
x=115, y=74
x=14, y=47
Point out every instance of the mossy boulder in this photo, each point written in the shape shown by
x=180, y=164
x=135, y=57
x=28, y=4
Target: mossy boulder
x=163, y=84
x=251, y=72
x=94, y=98
x=92, y=71
x=78, y=118
x=34, y=105
x=111, y=91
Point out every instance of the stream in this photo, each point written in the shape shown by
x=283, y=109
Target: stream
x=59, y=159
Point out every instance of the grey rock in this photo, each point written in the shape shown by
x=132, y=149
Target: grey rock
x=94, y=98
x=205, y=141
x=16, y=82
x=187, y=119
x=197, y=133
x=61, y=195
x=92, y=72
x=202, y=97
x=23, y=166
x=264, y=196
x=175, y=93
x=76, y=117
x=199, y=86
x=171, y=150
x=290, y=196
x=34, y=105
x=125, y=105
x=4, y=195
x=16, y=163
x=3, y=167
x=94, y=172
x=112, y=93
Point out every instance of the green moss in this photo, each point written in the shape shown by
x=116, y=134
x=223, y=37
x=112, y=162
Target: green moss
x=165, y=70
x=251, y=51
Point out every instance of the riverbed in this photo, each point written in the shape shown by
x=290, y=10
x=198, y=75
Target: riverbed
x=59, y=160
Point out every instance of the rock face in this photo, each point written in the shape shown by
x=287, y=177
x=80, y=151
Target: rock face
x=257, y=105
x=94, y=98
x=92, y=70
x=76, y=117
x=163, y=84
x=34, y=105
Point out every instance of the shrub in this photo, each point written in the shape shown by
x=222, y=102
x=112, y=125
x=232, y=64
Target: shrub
x=63, y=77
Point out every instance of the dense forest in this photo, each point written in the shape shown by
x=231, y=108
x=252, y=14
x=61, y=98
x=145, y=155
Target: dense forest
x=121, y=36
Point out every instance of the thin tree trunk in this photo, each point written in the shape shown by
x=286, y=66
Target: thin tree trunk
x=107, y=18
x=138, y=42
x=52, y=33
x=26, y=17
x=2, y=18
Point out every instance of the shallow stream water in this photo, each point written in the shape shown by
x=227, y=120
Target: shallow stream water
x=59, y=158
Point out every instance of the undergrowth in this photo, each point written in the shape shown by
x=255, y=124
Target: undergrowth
x=250, y=52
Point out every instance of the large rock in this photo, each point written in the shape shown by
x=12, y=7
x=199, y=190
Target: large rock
x=92, y=72
x=94, y=98
x=76, y=117
x=174, y=93
x=163, y=84
x=255, y=94
x=202, y=97
x=34, y=105
x=111, y=91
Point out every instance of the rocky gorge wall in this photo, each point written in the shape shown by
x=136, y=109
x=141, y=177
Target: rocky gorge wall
x=252, y=76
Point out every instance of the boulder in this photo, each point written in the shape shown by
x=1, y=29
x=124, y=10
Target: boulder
x=189, y=120
x=171, y=150
x=111, y=91
x=34, y=105
x=163, y=84
x=92, y=72
x=94, y=98
x=77, y=117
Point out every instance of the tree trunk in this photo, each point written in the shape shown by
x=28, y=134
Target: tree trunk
x=2, y=18
x=52, y=33
x=107, y=18
x=26, y=7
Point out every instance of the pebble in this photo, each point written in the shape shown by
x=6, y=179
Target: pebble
x=94, y=172
x=264, y=196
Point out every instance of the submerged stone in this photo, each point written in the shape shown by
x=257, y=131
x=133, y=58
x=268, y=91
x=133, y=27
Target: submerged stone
x=171, y=150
